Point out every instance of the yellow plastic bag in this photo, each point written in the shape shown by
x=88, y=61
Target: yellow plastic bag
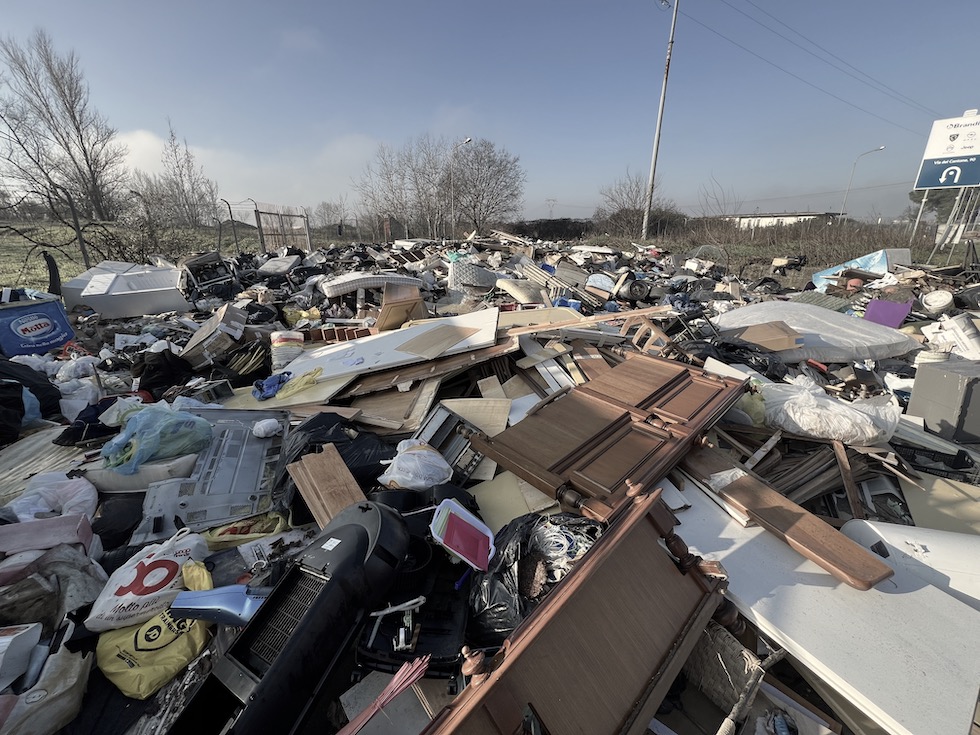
x=140, y=659
x=245, y=530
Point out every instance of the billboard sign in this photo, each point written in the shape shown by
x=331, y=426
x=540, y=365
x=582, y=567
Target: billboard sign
x=952, y=155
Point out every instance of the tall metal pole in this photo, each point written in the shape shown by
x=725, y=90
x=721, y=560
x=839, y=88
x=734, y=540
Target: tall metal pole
x=848, y=189
x=656, y=135
x=918, y=217
x=234, y=232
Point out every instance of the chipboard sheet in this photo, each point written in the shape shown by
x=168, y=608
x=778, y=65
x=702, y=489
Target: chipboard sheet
x=384, y=351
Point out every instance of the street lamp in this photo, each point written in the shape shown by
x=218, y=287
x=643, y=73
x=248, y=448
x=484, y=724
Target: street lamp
x=848, y=189
x=452, y=191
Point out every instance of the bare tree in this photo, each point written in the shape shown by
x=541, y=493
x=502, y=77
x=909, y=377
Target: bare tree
x=164, y=207
x=423, y=182
x=384, y=187
x=621, y=210
x=488, y=184
x=191, y=197
x=405, y=185
x=717, y=201
x=54, y=145
x=330, y=214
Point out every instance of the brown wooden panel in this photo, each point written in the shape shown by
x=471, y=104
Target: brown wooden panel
x=639, y=381
x=813, y=538
x=551, y=434
x=632, y=423
x=633, y=453
x=597, y=657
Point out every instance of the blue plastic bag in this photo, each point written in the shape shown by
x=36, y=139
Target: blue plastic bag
x=155, y=433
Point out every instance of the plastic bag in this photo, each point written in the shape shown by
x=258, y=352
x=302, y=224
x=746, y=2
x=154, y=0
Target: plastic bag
x=79, y=367
x=525, y=567
x=417, y=466
x=147, y=583
x=155, y=433
x=54, y=493
x=140, y=659
x=245, y=530
x=803, y=408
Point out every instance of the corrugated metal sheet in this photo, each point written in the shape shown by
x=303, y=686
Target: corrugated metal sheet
x=815, y=298
x=32, y=455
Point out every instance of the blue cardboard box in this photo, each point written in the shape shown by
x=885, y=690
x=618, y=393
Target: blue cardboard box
x=34, y=326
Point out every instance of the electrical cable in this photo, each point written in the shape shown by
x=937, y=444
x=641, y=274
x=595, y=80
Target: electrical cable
x=874, y=83
x=801, y=79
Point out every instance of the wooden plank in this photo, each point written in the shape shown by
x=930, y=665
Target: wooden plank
x=800, y=529
x=589, y=360
x=325, y=483
x=322, y=392
x=572, y=368
x=943, y=504
x=545, y=353
x=403, y=410
x=764, y=449
x=850, y=487
x=399, y=308
x=517, y=387
x=597, y=319
x=441, y=366
x=491, y=388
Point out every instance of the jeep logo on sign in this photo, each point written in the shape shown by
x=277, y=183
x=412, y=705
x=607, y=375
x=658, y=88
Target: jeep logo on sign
x=33, y=327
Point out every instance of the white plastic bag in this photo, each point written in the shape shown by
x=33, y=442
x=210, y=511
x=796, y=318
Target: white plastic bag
x=417, y=466
x=55, y=492
x=803, y=408
x=147, y=583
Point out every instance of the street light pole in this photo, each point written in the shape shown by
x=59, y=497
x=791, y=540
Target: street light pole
x=848, y=189
x=452, y=191
x=660, y=119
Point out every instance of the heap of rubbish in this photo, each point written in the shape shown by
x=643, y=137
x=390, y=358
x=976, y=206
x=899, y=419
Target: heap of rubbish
x=438, y=488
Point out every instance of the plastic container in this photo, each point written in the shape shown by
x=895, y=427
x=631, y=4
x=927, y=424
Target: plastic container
x=286, y=347
x=936, y=302
x=462, y=534
x=33, y=327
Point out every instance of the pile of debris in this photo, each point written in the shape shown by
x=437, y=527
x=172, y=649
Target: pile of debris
x=435, y=463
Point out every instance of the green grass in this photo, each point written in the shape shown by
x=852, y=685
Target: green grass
x=741, y=253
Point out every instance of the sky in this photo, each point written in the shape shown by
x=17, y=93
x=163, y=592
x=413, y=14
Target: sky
x=771, y=105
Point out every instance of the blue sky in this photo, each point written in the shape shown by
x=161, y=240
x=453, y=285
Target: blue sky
x=287, y=103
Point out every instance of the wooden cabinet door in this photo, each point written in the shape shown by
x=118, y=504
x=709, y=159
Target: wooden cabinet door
x=611, y=437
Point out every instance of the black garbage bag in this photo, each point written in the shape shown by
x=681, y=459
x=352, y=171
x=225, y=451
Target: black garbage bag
x=733, y=352
x=362, y=451
x=87, y=426
x=11, y=411
x=36, y=382
x=523, y=570
x=159, y=371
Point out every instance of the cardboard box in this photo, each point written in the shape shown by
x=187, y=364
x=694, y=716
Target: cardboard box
x=773, y=336
x=215, y=337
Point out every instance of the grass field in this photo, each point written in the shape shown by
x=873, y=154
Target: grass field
x=745, y=255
